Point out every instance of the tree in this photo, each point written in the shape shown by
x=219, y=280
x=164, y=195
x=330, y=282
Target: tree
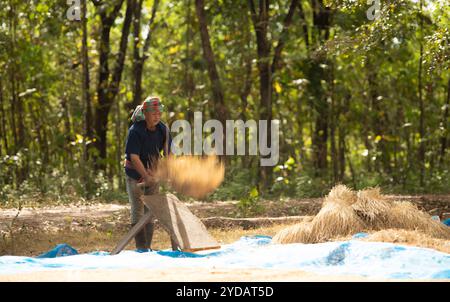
x=220, y=111
x=268, y=64
x=140, y=50
x=108, y=83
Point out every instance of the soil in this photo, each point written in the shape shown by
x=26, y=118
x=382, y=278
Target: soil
x=218, y=214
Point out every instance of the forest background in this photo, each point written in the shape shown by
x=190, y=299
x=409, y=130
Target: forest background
x=362, y=96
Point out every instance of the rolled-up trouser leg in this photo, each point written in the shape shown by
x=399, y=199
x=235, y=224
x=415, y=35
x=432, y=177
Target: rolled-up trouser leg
x=144, y=237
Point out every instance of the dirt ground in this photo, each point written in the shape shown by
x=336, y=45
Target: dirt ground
x=219, y=214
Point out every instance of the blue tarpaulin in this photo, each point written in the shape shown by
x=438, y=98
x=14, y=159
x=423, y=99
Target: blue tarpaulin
x=354, y=257
x=60, y=250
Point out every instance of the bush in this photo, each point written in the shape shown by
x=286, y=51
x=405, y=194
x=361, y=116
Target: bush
x=238, y=183
x=249, y=205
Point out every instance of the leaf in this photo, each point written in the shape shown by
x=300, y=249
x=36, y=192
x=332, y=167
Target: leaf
x=290, y=161
x=254, y=193
x=277, y=87
x=42, y=8
x=79, y=138
x=174, y=49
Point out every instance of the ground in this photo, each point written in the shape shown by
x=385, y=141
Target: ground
x=99, y=226
x=91, y=227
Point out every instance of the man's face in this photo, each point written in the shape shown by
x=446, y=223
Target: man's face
x=153, y=117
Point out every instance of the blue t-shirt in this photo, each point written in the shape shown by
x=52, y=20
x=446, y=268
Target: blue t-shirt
x=145, y=143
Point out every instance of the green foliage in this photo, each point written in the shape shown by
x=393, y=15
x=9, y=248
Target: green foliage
x=237, y=183
x=357, y=77
x=249, y=205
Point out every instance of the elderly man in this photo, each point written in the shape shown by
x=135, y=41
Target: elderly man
x=147, y=138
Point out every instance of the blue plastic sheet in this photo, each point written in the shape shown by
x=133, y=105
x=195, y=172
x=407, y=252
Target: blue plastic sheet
x=60, y=250
x=360, y=235
x=354, y=257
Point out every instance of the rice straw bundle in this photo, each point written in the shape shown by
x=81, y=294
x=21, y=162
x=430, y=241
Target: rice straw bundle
x=335, y=219
x=193, y=176
x=405, y=215
x=372, y=207
x=345, y=213
x=300, y=232
x=341, y=194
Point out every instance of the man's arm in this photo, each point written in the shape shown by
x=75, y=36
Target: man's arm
x=139, y=166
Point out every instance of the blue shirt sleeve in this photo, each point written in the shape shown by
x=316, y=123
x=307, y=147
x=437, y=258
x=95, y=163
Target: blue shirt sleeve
x=133, y=145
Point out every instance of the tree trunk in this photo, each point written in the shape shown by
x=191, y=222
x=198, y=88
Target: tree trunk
x=267, y=66
x=103, y=97
x=138, y=58
x=108, y=90
x=321, y=112
x=189, y=85
x=260, y=23
x=345, y=109
x=300, y=122
x=333, y=122
x=86, y=97
x=137, y=62
x=320, y=34
x=304, y=25
x=341, y=158
x=378, y=120
x=12, y=75
x=67, y=123
x=444, y=125
x=3, y=132
x=119, y=151
x=46, y=158
x=220, y=111
x=421, y=106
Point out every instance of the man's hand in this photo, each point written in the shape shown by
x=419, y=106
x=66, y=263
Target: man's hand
x=146, y=174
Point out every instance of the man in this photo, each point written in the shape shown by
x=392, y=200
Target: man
x=147, y=138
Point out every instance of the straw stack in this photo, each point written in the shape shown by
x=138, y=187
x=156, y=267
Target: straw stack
x=345, y=212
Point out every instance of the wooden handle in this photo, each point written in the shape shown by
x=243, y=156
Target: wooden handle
x=128, y=237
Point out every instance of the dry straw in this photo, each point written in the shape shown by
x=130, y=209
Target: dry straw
x=345, y=212
x=193, y=176
x=333, y=220
x=409, y=237
x=341, y=195
x=300, y=232
x=405, y=215
x=372, y=207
